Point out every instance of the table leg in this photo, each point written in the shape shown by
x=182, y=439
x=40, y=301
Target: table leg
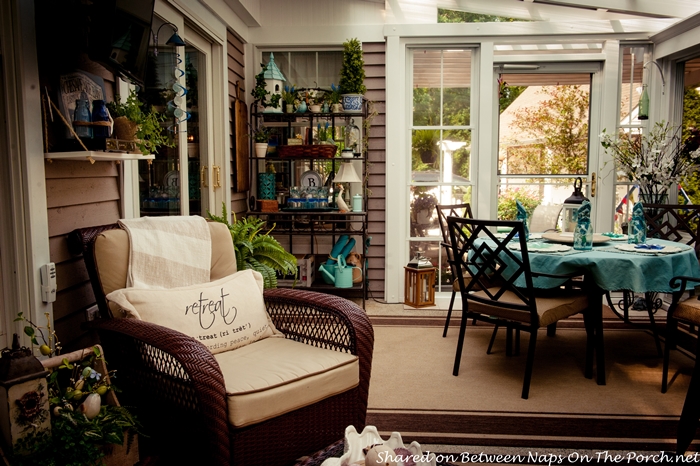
x=593, y=320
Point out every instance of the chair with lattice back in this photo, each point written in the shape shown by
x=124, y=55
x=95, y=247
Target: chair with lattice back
x=671, y=222
x=496, y=283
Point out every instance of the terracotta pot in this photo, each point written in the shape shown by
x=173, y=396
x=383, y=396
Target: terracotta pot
x=124, y=129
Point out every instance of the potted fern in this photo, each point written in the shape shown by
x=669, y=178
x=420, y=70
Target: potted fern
x=352, y=76
x=133, y=121
x=256, y=249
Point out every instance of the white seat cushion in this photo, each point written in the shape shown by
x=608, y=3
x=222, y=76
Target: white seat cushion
x=274, y=376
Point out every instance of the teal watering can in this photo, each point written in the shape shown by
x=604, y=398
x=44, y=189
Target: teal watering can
x=342, y=277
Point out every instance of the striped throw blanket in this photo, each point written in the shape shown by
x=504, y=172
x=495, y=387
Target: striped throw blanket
x=168, y=252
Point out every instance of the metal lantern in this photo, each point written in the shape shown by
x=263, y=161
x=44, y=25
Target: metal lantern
x=571, y=205
x=24, y=398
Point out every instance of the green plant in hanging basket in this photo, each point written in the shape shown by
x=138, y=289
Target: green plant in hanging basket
x=150, y=134
x=260, y=91
x=352, y=71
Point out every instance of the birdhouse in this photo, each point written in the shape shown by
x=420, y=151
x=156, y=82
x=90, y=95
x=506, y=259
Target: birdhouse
x=24, y=397
x=274, y=79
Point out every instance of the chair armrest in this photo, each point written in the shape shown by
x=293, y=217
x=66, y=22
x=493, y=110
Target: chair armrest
x=325, y=321
x=153, y=356
x=682, y=281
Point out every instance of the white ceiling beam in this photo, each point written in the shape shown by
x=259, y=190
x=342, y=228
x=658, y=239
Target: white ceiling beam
x=531, y=11
x=657, y=8
x=627, y=29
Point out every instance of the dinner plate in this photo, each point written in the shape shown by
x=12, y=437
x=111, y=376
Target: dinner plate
x=568, y=238
x=541, y=247
x=631, y=248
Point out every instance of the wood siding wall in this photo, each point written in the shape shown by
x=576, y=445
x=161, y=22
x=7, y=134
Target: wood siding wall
x=375, y=80
x=236, y=74
x=78, y=194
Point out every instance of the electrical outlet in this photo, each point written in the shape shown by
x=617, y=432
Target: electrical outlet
x=92, y=313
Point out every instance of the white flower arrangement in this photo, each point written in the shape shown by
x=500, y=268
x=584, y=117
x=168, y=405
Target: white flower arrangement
x=656, y=159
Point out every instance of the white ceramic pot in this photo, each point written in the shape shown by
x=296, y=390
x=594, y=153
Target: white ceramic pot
x=315, y=108
x=260, y=149
x=352, y=103
x=337, y=108
x=290, y=108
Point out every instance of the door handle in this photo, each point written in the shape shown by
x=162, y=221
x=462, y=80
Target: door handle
x=217, y=178
x=593, y=184
x=203, y=176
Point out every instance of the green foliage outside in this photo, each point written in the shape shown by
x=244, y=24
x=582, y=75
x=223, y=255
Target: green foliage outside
x=507, y=208
x=453, y=16
x=255, y=250
x=561, y=125
x=691, y=119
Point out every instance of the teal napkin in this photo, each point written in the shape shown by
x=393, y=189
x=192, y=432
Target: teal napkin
x=637, y=230
x=522, y=216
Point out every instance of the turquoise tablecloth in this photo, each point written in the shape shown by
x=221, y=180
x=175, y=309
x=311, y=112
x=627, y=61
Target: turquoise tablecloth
x=615, y=270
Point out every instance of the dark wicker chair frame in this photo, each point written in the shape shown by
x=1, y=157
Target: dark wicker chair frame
x=177, y=389
x=690, y=413
x=673, y=222
x=485, y=279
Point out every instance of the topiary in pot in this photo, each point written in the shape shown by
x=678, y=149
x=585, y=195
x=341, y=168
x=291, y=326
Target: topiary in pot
x=352, y=76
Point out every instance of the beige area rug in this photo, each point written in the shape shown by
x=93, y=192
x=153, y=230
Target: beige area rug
x=413, y=391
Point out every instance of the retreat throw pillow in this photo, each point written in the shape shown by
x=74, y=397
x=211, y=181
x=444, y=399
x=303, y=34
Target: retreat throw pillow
x=222, y=315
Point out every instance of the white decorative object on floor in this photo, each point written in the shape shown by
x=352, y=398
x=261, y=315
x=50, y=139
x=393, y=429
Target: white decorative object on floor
x=355, y=443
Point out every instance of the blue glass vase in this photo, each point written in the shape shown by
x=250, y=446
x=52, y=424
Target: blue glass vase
x=100, y=119
x=82, y=119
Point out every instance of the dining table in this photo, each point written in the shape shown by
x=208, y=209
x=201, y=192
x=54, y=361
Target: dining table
x=611, y=265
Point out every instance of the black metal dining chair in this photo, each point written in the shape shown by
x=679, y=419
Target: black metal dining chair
x=672, y=222
x=685, y=311
x=464, y=210
x=487, y=270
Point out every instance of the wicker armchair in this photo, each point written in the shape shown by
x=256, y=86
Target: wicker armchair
x=178, y=390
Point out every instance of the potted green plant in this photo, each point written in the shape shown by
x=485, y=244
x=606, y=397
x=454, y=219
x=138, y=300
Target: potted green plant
x=261, y=136
x=289, y=94
x=425, y=144
x=334, y=99
x=133, y=121
x=87, y=423
x=352, y=76
x=256, y=249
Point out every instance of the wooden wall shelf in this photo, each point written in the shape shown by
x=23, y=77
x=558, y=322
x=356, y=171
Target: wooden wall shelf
x=96, y=156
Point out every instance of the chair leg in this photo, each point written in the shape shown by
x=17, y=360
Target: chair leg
x=493, y=338
x=552, y=330
x=529, y=363
x=460, y=341
x=671, y=325
x=449, y=314
x=590, y=344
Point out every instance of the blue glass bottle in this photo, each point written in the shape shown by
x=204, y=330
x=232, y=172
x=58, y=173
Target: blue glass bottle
x=100, y=115
x=82, y=115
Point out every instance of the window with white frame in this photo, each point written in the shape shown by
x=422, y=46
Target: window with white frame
x=441, y=134
x=308, y=69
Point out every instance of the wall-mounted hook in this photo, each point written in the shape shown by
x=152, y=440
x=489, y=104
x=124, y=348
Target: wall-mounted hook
x=663, y=81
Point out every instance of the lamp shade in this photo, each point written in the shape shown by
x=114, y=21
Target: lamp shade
x=347, y=174
x=176, y=40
